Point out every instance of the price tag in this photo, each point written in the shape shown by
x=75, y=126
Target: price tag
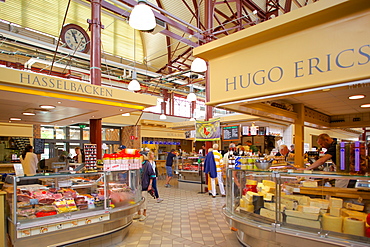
x=18, y=168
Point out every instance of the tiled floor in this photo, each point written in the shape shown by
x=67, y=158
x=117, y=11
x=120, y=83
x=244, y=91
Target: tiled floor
x=184, y=218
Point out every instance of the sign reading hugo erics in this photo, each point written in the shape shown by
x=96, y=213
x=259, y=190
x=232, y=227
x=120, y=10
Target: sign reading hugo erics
x=66, y=85
x=344, y=59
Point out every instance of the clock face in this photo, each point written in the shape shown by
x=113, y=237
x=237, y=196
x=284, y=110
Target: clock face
x=75, y=38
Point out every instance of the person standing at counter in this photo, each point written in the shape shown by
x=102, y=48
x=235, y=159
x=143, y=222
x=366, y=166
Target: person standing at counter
x=29, y=161
x=79, y=157
x=284, y=151
x=325, y=141
x=169, y=162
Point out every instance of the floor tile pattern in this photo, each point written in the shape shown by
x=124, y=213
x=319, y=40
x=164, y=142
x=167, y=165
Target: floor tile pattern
x=184, y=218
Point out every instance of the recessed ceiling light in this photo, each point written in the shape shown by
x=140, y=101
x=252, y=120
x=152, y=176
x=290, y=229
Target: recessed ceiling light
x=47, y=106
x=126, y=114
x=29, y=113
x=15, y=119
x=72, y=121
x=92, y=116
x=59, y=102
x=359, y=96
x=365, y=105
x=120, y=109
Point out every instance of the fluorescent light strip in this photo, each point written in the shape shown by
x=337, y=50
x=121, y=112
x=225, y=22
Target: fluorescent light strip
x=296, y=92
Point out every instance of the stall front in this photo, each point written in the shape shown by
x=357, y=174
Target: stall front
x=66, y=208
x=314, y=57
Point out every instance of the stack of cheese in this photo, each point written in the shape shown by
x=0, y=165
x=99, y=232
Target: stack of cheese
x=305, y=211
x=346, y=220
x=246, y=202
x=333, y=221
x=265, y=189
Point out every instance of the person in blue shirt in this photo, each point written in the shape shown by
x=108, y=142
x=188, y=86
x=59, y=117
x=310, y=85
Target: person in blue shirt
x=169, y=162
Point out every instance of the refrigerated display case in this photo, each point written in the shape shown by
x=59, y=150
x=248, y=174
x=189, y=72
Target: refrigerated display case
x=190, y=170
x=61, y=209
x=285, y=208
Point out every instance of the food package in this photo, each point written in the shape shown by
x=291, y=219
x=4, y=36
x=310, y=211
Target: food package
x=358, y=164
x=61, y=206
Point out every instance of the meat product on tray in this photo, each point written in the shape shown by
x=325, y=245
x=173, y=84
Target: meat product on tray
x=23, y=198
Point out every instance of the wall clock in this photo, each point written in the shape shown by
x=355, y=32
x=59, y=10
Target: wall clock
x=75, y=38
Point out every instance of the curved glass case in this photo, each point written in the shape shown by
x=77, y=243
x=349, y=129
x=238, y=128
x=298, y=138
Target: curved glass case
x=285, y=207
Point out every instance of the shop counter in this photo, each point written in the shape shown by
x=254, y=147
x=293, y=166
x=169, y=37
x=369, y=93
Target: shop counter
x=65, y=209
x=297, y=209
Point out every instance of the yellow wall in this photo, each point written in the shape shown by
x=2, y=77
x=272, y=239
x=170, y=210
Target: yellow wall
x=320, y=44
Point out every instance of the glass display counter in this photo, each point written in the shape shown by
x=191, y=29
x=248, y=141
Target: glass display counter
x=290, y=209
x=190, y=170
x=60, y=209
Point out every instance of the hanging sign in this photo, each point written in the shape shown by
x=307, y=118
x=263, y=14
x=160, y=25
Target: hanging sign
x=208, y=130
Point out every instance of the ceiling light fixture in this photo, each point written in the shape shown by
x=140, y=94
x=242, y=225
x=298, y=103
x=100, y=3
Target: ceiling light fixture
x=142, y=17
x=126, y=114
x=365, y=105
x=47, y=106
x=191, y=96
x=15, y=119
x=198, y=65
x=29, y=113
x=134, y=85
x=358, y=96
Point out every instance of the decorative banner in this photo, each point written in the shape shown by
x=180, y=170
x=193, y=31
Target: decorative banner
x=208, y=130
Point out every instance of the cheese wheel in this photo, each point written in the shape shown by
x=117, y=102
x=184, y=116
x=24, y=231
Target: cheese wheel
x=332, y=223
x=354, y=226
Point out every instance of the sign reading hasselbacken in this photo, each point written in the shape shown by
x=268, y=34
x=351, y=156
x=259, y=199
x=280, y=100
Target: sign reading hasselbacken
x=208, y=130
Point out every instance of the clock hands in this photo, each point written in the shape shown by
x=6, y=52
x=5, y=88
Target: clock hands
x=74, y=37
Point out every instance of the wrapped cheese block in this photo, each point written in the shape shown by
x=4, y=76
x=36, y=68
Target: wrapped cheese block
x=321, y=203
x=303, y=222
x=290, y=204
x=334, y=211
x=302, y=200
x=300, y=214
x=309, y=209
x=268, y=213
x=335, y=202
x=354, y=226
x=332, y=223
x=353, y=206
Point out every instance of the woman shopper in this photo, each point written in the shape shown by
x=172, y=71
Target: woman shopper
x=154, y=185
x=29, y=161
x=147, y=177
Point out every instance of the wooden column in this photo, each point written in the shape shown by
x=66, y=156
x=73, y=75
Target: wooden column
x=95, y=136
x=299, y=135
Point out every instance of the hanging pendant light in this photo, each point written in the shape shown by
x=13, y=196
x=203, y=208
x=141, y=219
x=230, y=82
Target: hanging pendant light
x=142, y=17
x=191, y=96
x=134, y=85
x=198, y=65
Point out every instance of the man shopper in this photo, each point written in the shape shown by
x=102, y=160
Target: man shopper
x=169, y=162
